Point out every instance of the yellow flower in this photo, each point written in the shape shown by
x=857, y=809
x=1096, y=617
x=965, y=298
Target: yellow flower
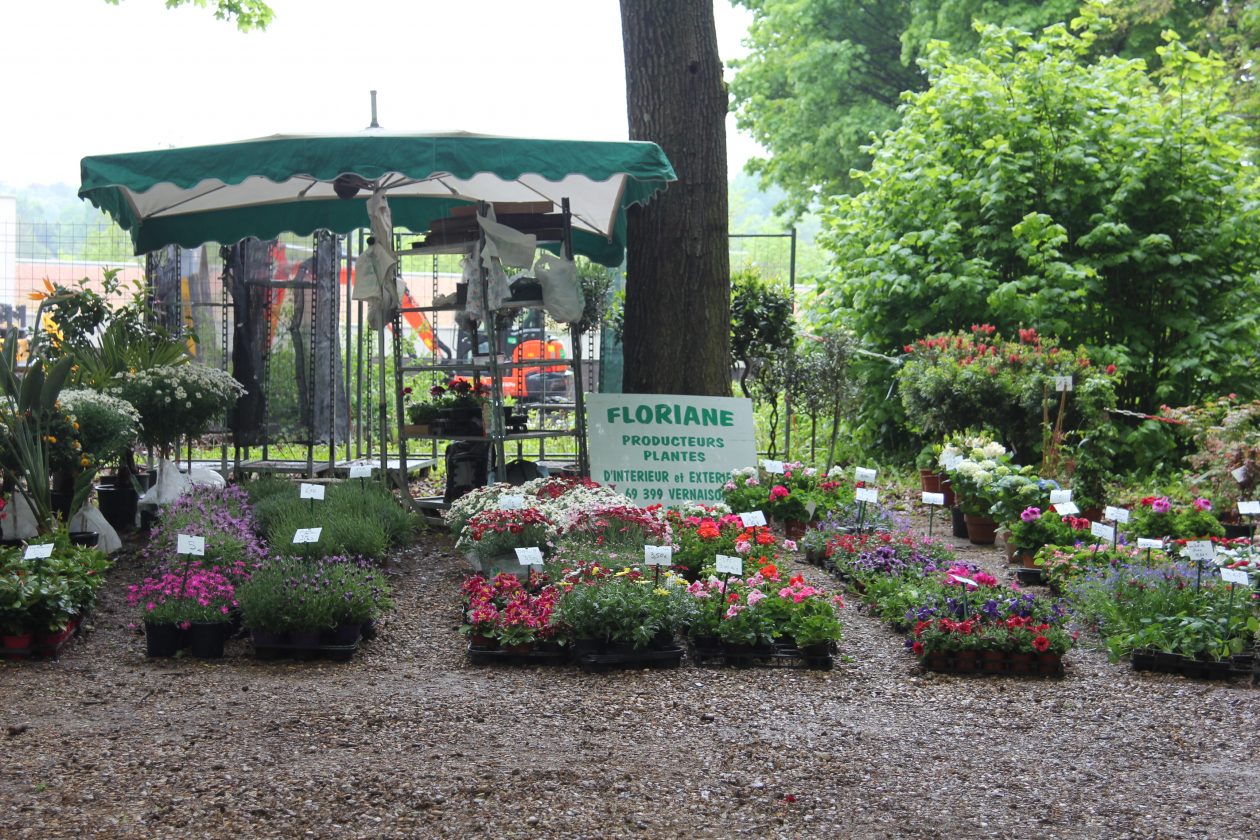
x=660, y=590
x=76, y=425
x=51, y=438
x=85, y=461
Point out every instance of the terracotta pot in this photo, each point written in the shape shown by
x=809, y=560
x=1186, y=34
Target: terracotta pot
x=523, y=647
x=483, y=642
x=1027, y=558
x=966, y=661
x=981, y=530
x=993, y=661
x=930, y=480
x=947, y=487
x=1049, y=663
x=1021, y=663
x=935, y=661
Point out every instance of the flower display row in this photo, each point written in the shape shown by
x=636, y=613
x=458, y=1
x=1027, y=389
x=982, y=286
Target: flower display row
x=44, y=599
x=797, y=495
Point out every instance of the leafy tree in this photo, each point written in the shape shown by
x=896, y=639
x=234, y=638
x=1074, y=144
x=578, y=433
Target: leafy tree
x=822, y=76
x=248, y=14
x=1031, y=186
x=761, y=323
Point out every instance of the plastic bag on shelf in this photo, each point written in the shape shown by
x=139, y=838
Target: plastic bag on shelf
x=562, y=291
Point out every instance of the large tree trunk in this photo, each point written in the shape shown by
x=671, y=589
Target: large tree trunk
x=678, y=291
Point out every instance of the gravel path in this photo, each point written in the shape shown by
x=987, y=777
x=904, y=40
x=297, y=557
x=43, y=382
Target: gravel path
x=408, y=740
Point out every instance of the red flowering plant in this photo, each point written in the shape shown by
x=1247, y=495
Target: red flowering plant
x=618, y=525
x=494, y=532
x=1166, y=516
x=697, y=540
x=1036, y=527
x=505, y=609
x=977, y=378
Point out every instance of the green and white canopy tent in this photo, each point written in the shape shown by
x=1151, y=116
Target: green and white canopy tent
x=300, y=184
x=289, y=183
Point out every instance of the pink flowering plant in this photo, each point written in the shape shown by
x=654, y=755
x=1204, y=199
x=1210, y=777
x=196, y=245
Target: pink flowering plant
x=1166, y=516
x=1036, y=527
x=224, y=517
x=506, y=610
x=183, y=598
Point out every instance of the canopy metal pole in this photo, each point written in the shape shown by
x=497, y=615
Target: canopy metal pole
x=492, y=331
x=575, y=339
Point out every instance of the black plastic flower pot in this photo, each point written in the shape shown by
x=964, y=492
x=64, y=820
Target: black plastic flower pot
x=162, y=640
x=205, y=639
x=118, y=505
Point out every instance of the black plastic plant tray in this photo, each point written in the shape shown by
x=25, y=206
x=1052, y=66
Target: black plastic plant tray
x=662, y=658
x=487, y=656
x=333, y=653
x=1199, y=669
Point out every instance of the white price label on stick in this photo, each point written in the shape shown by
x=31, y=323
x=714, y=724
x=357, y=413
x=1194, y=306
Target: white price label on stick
x=1058, y=497
x=38, y=552
x=728, y=565
x=868, y=494
x=865, y=474
x=964, y=580
x=1063, y=383
x=1237, y=576
x=515, y=502
x=933, y=498
x=185, y=544
x=774, y=467
x=1144, y=542
x=361, y=471
x=658, y=555
x=1200, y=551
x=311, y=491
x=1067, y=509
x=306, y=535
x=810, y=507
x=1116, y=514
x=1239, y=474
x=1249, y=508
x=752, y=519
x=531, y=556
x=1103, y=532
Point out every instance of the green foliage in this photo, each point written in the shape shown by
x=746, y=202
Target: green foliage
x=761, y=323
x=1031, y=186
x=247, y=14
x=822, y=76
x=356, y=521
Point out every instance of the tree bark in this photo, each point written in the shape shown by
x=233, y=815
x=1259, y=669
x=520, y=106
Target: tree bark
x=678, y=291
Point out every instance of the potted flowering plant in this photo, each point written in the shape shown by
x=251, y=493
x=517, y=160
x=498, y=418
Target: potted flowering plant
x=1036, y=527
x=492, y=533
x=745, y=491
x=461, y=406
x=177, y=400
x=1161, y=516
x=180, y=600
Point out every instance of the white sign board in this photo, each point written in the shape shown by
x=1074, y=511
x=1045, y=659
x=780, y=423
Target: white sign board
x=1238, y=576
x=531, y=556
x=752, y=519
x=515, y=502
x=311, y=491
x=1249, y=508
x=1116, y=514
x=306, y=535
x=1201, y=551
x=669, y=449
x=1239, y=474
x=1058, y=497
x=185, y=544
x=38, y=552
x=1067, y=509
x=361, y=471
x=1143, y=542
x=933, y=498
x=865, y=474
x=867, y=494
x=1063, y=383
x=775, y=467
x=658, y=555
x=728, y=565
x=1103, y=532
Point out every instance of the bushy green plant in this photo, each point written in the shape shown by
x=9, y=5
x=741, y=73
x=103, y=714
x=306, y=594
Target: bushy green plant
x=177, y=400
x=302, y=594
x=108, y=426
x=358, y=521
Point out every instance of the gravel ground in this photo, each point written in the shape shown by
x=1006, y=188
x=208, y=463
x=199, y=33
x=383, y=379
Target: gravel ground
x=408, y=740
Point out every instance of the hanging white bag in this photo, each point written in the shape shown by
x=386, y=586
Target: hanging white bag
x=561, y=289
x=90, y=519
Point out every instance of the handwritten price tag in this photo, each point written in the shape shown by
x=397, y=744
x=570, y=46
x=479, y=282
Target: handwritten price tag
x=752, y=518
x=867, y=494
x=1143, y=542
x=531, y=556
x=1200, y=551
x=1063, y=383
x=1249, y=508
x=1067, y=509
x=658, y=555
x=1103, y=532
x=933, y=498
x=306, y=535
x=775, y=467
x=511, y=502
x=38, y=552
x=185, y=544
x=1058, y=497
x=727, y=565
x=311, y=491
x=865, y=474
x=1240, y=474
x=1238, y=576
x=361, y=471
x=1116, y=514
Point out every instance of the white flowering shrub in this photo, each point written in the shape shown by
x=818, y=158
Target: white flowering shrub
x=177, y=400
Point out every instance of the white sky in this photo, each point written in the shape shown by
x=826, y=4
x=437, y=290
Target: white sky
x=81, y=77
